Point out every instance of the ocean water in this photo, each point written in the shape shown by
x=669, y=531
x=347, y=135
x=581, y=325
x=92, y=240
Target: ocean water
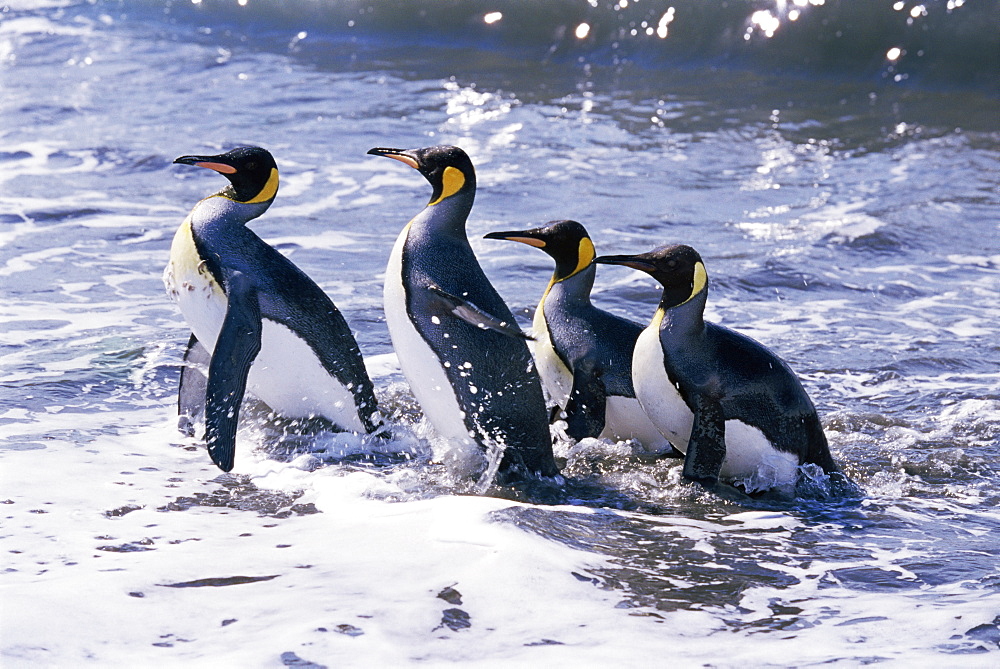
x=836, y=163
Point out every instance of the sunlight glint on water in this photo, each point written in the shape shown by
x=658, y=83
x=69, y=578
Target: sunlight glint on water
x=847, y=214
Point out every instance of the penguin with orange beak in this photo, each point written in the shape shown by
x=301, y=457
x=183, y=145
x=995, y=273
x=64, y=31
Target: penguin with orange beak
x=260, y=323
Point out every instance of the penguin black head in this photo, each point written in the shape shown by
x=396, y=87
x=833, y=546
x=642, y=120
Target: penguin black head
x=566, y=241
x=448, y=169
x=251, y=170
x=679, y=269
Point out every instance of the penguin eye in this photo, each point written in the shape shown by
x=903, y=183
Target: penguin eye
x=251, y=165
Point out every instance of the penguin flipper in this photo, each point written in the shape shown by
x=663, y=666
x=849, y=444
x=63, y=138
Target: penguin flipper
x=585, y=410
x=191, y=388
x=238, y=345
x=472, y=314
x=707, y=447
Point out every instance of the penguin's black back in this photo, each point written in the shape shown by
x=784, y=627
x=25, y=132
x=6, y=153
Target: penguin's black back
x=756, y=388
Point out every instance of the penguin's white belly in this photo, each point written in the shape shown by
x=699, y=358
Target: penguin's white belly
x=657, y=394
x=286, y=374
x=557, y=379
x=750, y=457
x=289, y=377
x=625, y=419
x=421, y=366
x=753, y=462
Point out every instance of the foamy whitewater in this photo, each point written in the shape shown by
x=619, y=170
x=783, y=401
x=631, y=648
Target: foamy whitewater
x=834, y=162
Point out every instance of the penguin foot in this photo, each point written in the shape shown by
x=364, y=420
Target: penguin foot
x=186, y=425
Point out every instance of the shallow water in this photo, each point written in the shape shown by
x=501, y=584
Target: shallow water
x=847, y=216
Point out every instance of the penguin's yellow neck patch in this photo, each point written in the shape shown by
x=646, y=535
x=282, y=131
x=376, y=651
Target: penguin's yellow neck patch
x=187, y=268
x=269, y=190
x=698, y=281
x=452, y=181
x=585, y=255
x=657, y=318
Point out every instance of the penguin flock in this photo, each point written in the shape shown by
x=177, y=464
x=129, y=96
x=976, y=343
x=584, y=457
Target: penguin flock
x=679, y=386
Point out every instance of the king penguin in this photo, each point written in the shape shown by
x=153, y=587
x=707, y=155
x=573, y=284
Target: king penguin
x=264, y=325
x=735, y=409
x=584, y=354
x=458, y=345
